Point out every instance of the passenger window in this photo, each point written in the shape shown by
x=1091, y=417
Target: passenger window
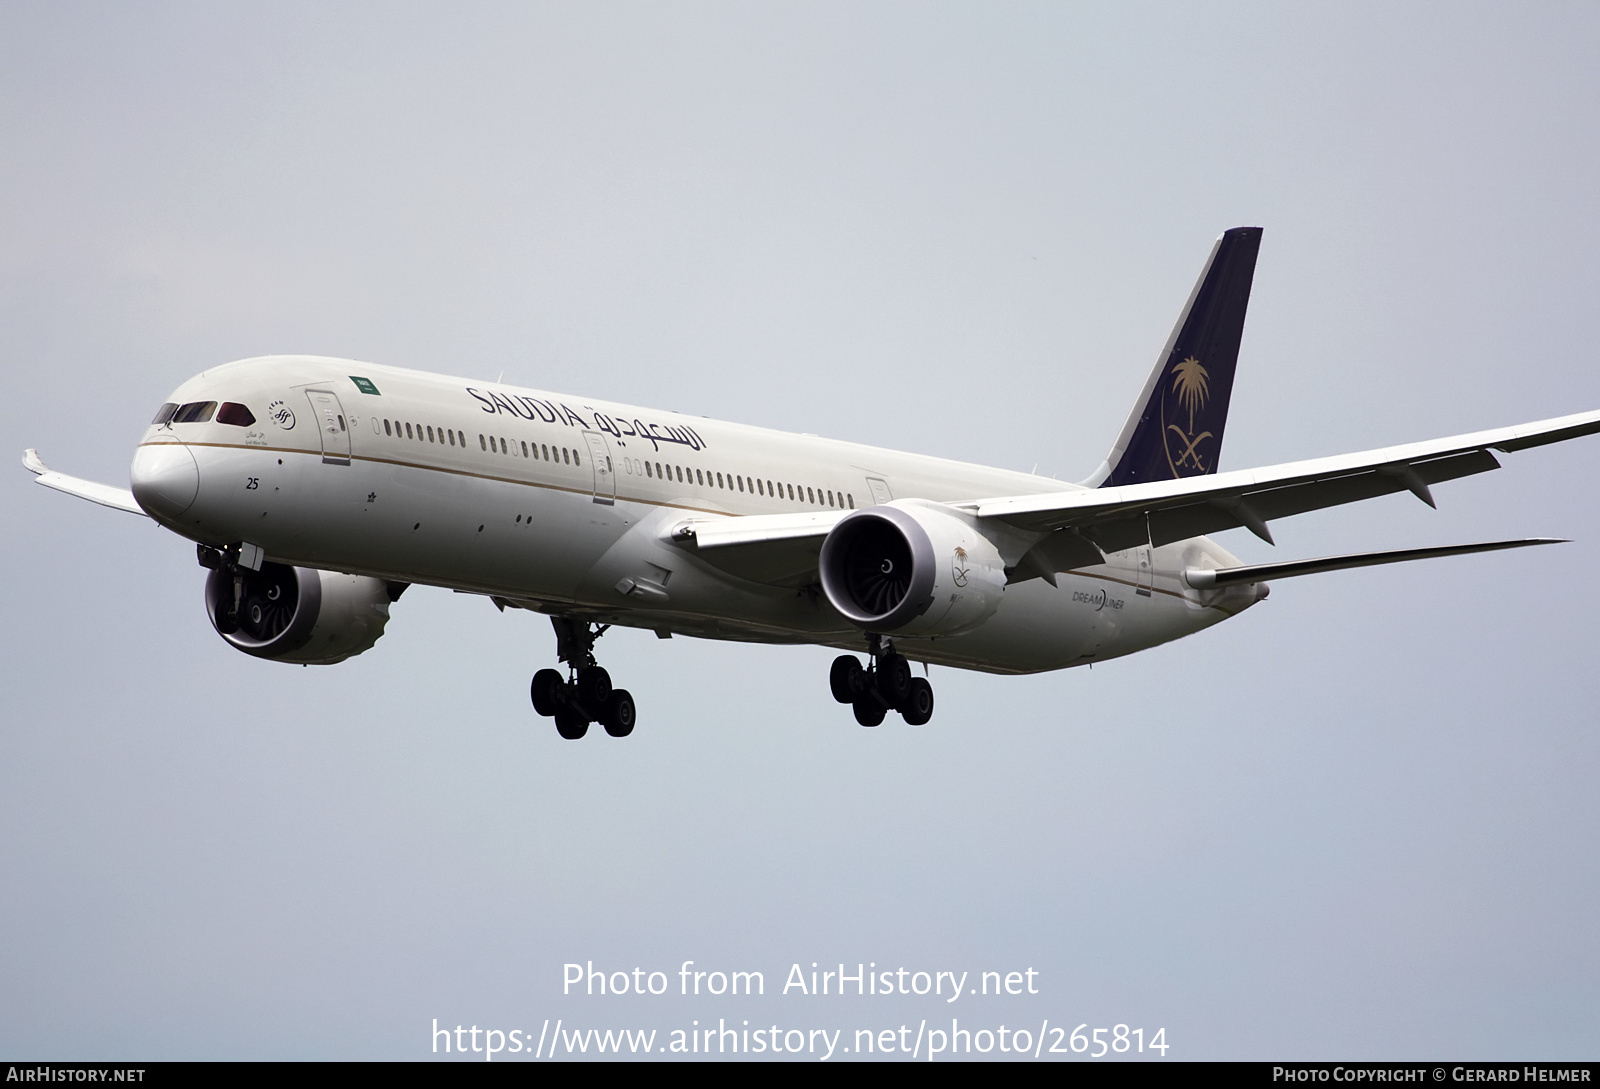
x=524, y=449
x=700, y=478
x=648, y=471
x=195, y=412
x=852, y=500
x=680, y=474
x=483, y=443
x=719, y=480
x=164, y=413
x=575, y=459
x=791, y=490
x=235, y=414
x=452, y=435
x=430, y=434
x=342, y=427
x=408, y=430
x=830, y=499
x=809, y=498
x=387, y=430
x=565, y=455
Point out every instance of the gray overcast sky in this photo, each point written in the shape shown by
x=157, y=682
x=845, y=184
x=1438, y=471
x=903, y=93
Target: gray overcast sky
x=1358, y=821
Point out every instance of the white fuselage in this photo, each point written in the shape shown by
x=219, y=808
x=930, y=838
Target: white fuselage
x=565, y=505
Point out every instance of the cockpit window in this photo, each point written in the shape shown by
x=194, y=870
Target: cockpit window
x=236, y=414
x=163, y=414
x=195, y=412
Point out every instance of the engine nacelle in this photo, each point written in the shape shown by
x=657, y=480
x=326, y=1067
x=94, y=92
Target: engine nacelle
x=912, y=568
x=298, y=614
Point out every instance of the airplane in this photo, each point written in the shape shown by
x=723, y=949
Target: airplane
x=317, y=490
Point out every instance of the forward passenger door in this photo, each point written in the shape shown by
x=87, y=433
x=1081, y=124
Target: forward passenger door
x=332, y=426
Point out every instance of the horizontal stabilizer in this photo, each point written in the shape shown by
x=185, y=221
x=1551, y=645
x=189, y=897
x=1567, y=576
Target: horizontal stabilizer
x=104, y=494
x=1227, y=576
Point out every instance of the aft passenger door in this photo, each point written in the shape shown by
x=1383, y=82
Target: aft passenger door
x=332, y=426
x=605, y=477
x=1146, y=575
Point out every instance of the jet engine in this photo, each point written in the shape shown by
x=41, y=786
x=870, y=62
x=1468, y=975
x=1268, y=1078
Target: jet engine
x=298, y=614
x=912, y=568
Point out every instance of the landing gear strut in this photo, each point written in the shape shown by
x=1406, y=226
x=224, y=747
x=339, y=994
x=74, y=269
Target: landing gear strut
x=885, y=685
x=585, y=695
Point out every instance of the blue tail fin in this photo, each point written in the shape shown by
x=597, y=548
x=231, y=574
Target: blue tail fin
x=1176, y=428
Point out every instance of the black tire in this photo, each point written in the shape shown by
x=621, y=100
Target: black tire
x=894, y=680
x=547, y=691
x=918, y=708
x=869, y=712
x=594, y=688
x=847, y=679
x=620, y=714
x=570, y=724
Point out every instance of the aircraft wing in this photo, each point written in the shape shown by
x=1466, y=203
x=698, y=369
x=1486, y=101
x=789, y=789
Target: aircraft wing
x=1115, y=518
x=104, y=494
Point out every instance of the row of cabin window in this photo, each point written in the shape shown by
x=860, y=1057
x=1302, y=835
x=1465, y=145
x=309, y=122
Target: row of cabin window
x=421, y=433
x=558, y=454
x=705, y=478
x=490, y=443
x=239, y=415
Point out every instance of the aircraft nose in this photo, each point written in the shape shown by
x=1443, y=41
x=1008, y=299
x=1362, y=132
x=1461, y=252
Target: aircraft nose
x=165, y=479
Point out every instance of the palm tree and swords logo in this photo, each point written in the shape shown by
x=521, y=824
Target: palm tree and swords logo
x=1190, y=383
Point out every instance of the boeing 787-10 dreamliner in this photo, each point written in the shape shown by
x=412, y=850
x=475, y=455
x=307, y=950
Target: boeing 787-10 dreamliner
x=318, y=489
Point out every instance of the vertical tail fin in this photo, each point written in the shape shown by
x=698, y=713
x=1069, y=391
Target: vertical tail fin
x=1175, y=429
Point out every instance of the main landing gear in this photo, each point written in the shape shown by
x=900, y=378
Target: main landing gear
x=586, y=694
x=883, y=686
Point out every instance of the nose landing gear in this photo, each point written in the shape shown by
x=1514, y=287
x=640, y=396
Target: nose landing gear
x=585, y=695
x=885, y=685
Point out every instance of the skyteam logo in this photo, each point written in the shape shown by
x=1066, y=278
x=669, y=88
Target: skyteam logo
x=1191, y=389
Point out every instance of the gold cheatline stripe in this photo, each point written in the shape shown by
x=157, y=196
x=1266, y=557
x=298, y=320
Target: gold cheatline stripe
x=455, y=472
